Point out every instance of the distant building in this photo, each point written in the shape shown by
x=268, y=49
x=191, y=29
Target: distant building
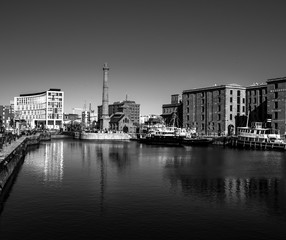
x=214, y=110
x=43, y=109
x=172, y=113
x=130, y=108
x=6, y=116
x=71, y=117
x=276, y=103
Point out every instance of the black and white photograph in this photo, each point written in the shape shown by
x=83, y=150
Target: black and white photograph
x=140, y=119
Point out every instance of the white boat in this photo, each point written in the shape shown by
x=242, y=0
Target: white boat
x=259, y=137
x=83, y=135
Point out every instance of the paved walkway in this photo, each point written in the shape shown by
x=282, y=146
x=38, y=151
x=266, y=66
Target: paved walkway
x=8, y=148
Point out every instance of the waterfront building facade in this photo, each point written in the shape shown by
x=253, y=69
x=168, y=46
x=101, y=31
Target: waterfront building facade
x=256, y=104
x=276, y=103
x=42, y=110
x=172, y=113
x=214, y=110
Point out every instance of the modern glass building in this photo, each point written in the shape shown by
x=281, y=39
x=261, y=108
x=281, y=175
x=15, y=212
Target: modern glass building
x=43, y=109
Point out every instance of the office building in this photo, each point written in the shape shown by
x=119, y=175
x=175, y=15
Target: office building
x=42, y=110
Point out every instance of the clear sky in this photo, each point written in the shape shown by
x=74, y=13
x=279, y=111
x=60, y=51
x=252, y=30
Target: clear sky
x=154, y=48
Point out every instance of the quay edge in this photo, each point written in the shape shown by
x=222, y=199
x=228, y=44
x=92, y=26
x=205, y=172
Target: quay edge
x=13, y=155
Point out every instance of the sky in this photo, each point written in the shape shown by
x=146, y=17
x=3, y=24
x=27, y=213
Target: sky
x=154, y=48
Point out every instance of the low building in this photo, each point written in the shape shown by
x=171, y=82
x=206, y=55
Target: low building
x=214, y=110
x=41, y=110
x=121, y=122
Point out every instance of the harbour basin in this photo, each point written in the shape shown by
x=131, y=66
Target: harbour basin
x=72, y=189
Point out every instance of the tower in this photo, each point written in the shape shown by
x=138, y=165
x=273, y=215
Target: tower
x=104, y=121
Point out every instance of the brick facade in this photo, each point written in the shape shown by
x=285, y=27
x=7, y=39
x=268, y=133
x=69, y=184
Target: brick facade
x=214, y=110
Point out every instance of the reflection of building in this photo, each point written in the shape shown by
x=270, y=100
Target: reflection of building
x=53, y=166
x=175, y=107
x=214, y=109
x=44, y=109
x=276, y=103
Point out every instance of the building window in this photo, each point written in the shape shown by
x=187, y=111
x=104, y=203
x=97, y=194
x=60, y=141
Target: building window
x=218, y=117
x=219, y=108
x=243, y=108
x=219, y=127
x=230, y=99
x=188, y=102
x=203, y=126
x=276, y=115
x=276, y=125
x=238, y=108
x=219, y=99
x=230, y=117
x=188, y=117
x=243, y=100
x=275, y=105
x=276, y=95
x=203, y=109
x=203, y=117
x=230, y=92
x=230, y=108
x=276, y=86
x=238, y=93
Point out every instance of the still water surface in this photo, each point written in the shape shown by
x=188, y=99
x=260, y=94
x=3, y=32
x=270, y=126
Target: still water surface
x=69, y=189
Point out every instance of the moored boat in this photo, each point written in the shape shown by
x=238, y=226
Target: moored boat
x=169, y=136
x=258, y=137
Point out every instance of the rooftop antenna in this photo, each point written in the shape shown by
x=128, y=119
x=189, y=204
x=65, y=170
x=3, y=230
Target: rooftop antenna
x=126, y=97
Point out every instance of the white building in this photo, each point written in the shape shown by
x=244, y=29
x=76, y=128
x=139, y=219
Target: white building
x=44, y=109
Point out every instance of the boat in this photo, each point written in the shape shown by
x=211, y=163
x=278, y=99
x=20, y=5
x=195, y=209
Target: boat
x=170, y=136
x=258, y=137
x=101, y=135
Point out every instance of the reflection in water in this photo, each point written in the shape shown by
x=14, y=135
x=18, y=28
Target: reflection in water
x=53, y=163
x=209, y=184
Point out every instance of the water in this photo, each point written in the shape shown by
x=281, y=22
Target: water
x=69, y=189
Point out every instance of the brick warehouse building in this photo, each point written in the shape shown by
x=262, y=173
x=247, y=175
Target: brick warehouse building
x=276, y=106
x=214, y=110
x=256, y=100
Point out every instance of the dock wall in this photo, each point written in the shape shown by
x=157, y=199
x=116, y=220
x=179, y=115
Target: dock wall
x=12, y=155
